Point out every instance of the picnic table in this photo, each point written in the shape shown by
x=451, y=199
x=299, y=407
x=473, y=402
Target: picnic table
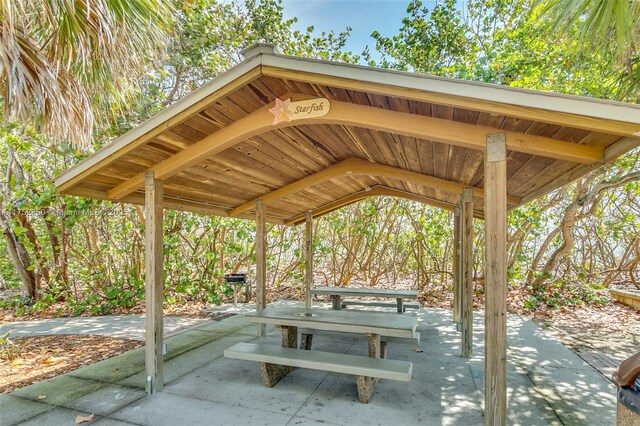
x=337, y=293
x=275, y=362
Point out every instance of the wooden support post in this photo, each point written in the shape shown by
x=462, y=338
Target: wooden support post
x=308, y=254
x=495, y=207
x=456, y=265
x=419, y=275
x=466, y=265
x=153, y=283
x=261, y=262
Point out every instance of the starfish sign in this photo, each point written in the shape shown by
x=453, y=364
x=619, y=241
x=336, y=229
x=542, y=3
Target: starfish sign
x=281, y=111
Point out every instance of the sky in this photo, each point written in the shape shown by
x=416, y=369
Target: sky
x=363, y=16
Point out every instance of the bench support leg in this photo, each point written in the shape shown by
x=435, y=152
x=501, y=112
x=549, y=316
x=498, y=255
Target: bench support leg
x=367, y=385
x=273, y=373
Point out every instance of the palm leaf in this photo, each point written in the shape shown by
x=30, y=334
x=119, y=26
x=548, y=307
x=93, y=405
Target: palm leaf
x=598, y=20
x=58, y=58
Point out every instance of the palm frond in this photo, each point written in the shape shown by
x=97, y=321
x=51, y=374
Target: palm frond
x=58, y=58
x=598, y=20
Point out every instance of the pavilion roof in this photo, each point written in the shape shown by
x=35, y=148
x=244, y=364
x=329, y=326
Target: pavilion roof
x=355, y=132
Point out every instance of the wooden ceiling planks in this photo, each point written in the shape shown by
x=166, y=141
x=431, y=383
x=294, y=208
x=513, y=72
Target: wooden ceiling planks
x=273, y=159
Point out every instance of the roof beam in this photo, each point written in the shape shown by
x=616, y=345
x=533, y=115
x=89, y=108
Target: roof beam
x=456, y=133
x=559, y=118
x=346, y=113
x=358, y=167
x=376, y=191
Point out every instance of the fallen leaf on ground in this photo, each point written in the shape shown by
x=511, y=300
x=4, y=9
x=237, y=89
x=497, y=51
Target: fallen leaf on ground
x=81, y=419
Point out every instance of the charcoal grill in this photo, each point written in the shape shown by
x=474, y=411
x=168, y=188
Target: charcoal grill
x=239, y=281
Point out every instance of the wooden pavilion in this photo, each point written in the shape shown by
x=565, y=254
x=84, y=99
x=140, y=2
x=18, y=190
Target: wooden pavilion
x=285, y=139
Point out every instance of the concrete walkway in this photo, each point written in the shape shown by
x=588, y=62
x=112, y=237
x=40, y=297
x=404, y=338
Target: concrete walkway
x=547, y=384
x=124, y=326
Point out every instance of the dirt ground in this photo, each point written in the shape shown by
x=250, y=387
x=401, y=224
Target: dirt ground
x=34, y=359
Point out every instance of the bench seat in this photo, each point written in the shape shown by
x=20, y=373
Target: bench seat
x=415, y=340
x=327, y=361
x=381, y=304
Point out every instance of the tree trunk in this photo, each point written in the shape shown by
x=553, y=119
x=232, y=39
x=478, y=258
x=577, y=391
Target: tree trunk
x=586, y=194
x=20, y=259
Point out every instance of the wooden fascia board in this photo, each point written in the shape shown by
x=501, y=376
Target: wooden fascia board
x=237, y=77
x=358, y=167
x=375, y=191
x=169, y=203
x=345, y=113
x=566, y=110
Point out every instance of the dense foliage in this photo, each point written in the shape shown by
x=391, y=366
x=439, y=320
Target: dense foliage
x=563, y=248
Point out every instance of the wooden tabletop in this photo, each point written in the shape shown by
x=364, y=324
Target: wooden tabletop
x=366, y=292
x=396, y=325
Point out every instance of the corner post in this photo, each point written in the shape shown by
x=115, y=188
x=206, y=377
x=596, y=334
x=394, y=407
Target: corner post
x=261, y=262
x=153, y=195
x=456, y=265
x=495, y=222
x=466, y=266
x=308, y=253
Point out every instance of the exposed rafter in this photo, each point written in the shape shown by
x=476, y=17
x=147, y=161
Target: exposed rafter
x=156, y=125
x=345, y=113
x=358, y=167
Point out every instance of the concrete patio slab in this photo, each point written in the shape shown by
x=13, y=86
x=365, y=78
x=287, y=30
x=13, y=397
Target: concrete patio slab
x=189, y=361
x=57, y=416
x=59, y=390
x=124, y=326
x=16, y=410
x=111, y=422
x=547, y=384
x=170, y=410
x=106, y=400
x=575, y=394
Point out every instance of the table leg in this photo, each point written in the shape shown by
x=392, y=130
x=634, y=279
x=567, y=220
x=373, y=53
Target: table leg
x=367, y=385
x=289, y=336
x=305, y=341
x=273, y=373
x=400, y=306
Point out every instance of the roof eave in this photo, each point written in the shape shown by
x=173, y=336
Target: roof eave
x=568, y=104
x=159, y=122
